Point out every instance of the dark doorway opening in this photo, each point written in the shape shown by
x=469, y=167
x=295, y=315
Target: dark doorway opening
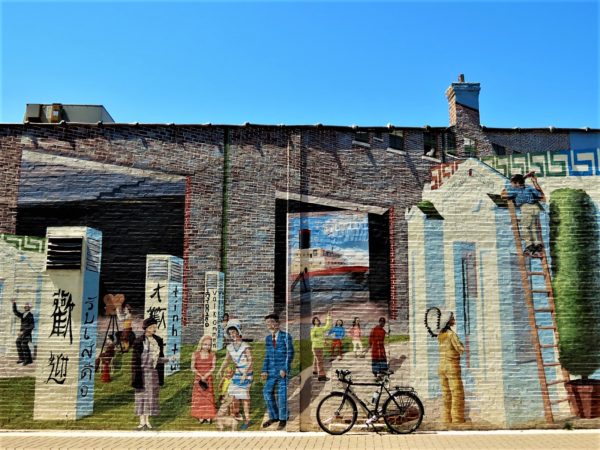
x=131, y=229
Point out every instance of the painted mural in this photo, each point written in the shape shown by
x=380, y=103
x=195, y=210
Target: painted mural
x=580, y=162
x=501, y=313
x=502, y=302
x=106, y=358
x=343, y=324
x=22, y=260
x=125, y=370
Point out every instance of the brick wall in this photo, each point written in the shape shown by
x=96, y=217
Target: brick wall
x=230, y=216
x=467, y=126
x=10, y=163
x=516, y=141
x=263, y=161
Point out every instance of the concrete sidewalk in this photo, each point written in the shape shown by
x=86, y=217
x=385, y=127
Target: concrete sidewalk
x=526, y=440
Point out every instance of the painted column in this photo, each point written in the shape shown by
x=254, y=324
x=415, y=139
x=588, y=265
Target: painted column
x=214, y=307
x=164, y=277
x=64, y=385
x=417, y=300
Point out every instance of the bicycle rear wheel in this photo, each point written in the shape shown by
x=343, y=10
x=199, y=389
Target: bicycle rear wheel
x=336, y=413
x=403, y=412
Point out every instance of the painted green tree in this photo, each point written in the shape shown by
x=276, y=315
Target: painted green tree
x=575, y=250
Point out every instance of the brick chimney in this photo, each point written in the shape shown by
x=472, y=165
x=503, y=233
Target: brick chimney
x=463, y=102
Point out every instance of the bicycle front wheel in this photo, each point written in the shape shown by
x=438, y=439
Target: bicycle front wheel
x=403, y=412
x=336, y=413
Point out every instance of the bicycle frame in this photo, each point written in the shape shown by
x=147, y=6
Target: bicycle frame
x=348, y=392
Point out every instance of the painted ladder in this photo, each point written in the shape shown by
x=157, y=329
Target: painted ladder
x=528, y=274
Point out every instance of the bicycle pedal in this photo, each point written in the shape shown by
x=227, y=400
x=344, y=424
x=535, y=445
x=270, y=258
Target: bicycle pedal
x=371, y=420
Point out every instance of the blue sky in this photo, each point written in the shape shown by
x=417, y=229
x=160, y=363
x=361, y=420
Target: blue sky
x=336, y=63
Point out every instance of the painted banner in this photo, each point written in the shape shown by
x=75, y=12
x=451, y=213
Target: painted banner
x=214, y=308
x=164, y=284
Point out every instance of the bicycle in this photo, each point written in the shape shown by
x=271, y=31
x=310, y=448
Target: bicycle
x=402, y=411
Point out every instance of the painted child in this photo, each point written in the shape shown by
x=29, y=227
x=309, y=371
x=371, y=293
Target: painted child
x=224, y=388
x=355, y=334
x=127, y=336
x=106, y=358
x=337, y=332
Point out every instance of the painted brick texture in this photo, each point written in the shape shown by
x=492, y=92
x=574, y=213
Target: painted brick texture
x=230, y=191
x=264, y=161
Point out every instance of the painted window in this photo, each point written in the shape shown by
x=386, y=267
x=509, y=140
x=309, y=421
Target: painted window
x=469, y=286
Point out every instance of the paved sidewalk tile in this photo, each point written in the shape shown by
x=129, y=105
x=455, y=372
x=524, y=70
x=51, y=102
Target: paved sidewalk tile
x=500, y=440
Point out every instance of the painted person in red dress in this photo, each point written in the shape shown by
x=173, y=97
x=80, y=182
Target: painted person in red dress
x=204, y=362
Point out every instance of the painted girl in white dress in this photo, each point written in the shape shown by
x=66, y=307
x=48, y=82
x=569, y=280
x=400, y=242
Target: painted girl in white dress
x=238, y=352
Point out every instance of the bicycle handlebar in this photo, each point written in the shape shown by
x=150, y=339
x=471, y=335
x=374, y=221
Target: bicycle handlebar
x=343, y=375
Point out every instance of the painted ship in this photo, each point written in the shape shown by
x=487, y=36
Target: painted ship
x=326, y=270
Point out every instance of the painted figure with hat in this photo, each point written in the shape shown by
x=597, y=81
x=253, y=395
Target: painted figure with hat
x=527, y=199
x=238, y=352
x=147, y=372
x=453, y=394
x=24, y=337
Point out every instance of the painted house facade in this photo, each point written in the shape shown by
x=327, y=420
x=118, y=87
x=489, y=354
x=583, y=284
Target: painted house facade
x=463, y=257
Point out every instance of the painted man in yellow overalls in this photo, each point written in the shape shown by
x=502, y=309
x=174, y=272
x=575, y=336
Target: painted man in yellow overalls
x=453, y=393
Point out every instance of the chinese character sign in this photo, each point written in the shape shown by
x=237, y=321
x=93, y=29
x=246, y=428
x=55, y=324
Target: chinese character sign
x=58, y=364
x=64, y=387
x=164, y=276
x=61, y=316
x=173, y=341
